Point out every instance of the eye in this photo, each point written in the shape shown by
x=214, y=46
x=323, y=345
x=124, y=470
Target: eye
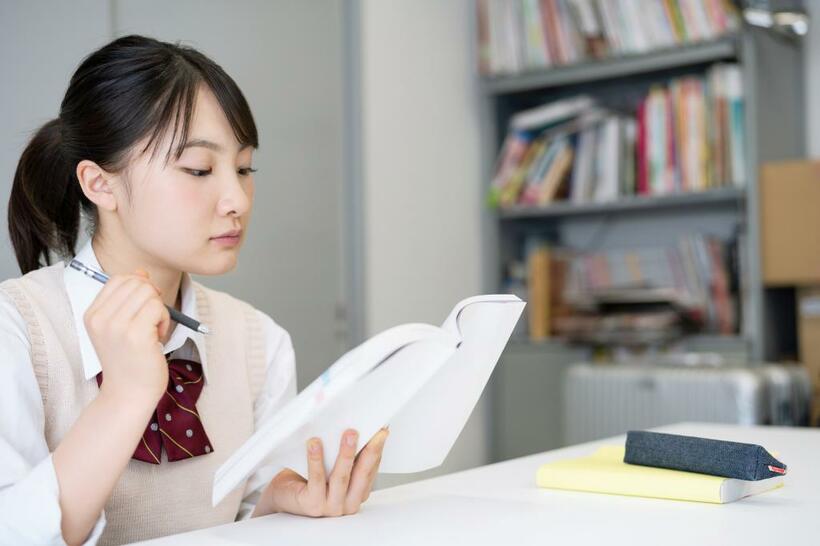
x=198, y=172
x=246, y=171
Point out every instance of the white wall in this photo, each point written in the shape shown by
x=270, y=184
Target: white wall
x=421, y=170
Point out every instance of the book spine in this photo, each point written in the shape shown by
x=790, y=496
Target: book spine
x=557, y=173
x=535, y=42
x=674, y=14
x=736, y=113
x=484, y=45
x=642, y=182
x=610, y=31
x=690, y=24
x=550, y=24
x=671, y=179
x=538, y=289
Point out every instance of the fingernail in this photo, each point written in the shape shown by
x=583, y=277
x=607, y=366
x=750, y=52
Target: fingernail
x=313, y=445
x=351, y=438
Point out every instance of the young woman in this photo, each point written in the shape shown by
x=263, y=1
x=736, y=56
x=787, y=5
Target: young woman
x=113, y=419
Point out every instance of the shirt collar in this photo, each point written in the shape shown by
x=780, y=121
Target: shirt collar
x=81, y=293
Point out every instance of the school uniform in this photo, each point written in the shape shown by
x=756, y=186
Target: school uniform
x=49, y=372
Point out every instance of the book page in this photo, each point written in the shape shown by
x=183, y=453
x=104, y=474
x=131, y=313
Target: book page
x=424, y=431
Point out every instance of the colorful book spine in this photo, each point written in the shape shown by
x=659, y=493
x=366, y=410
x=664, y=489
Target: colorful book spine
x=518, y=35
x=686, y=135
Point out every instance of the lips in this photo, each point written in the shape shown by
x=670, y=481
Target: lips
x=229, y=234
x=229, y=239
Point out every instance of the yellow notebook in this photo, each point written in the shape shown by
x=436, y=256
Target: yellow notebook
x=606, y=472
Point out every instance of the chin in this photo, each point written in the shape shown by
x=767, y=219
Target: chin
x=219, y=265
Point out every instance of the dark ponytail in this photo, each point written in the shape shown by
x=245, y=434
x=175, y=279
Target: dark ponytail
x=44, y=207
x=130, y=89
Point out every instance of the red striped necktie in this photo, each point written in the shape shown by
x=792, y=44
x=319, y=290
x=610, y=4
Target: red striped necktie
x=175, y=425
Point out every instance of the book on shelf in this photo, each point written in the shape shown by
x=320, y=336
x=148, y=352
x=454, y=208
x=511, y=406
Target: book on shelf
x=631, y=295
x=546, y=273
x=686, y=135
x=693, y=275
x=523, y=35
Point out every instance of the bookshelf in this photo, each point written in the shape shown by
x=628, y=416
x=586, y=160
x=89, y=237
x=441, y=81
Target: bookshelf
x=771, y=67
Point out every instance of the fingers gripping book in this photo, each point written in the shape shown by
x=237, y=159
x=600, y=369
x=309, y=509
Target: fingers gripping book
x=421, y=380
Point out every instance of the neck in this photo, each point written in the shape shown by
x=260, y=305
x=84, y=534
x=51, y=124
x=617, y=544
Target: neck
x=168, y=281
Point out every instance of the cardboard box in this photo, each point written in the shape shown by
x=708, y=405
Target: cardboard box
x=790, y=223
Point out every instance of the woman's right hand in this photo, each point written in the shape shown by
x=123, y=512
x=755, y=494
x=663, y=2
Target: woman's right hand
x=125, y=322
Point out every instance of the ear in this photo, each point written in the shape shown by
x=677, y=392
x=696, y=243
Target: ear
x=97, y=184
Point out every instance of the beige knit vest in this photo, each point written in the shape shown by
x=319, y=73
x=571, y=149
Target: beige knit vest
x=150, y=500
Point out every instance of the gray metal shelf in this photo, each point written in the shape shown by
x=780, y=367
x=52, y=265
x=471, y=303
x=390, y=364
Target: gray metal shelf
x=774, y=130
x=527, y=383
x=723, y=196
x=614, y=67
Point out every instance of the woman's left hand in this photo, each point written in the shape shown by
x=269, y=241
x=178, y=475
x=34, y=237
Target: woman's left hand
x=347, y=488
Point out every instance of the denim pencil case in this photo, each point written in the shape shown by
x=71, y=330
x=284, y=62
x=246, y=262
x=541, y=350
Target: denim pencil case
x=704, y=456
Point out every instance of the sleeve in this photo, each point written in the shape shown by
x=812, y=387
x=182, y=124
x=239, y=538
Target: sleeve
x=29, y=491
x=279, y=389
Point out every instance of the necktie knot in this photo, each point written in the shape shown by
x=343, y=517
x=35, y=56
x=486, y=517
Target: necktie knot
x=175, y=425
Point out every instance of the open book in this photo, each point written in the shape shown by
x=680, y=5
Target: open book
x=421, y=380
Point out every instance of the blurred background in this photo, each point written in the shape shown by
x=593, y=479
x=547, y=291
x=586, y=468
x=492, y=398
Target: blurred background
x=639, y=171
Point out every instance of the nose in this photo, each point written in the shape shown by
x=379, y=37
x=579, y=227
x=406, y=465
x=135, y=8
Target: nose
x=234, y=198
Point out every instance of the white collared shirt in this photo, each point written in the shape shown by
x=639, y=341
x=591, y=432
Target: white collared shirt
x=29, y=491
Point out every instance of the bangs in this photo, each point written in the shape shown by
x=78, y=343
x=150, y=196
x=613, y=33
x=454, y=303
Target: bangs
x=174, y=110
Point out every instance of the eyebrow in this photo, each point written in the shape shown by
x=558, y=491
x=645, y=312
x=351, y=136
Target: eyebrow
x=202, y=143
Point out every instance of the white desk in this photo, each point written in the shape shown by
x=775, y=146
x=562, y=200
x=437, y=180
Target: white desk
x=500, y=504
